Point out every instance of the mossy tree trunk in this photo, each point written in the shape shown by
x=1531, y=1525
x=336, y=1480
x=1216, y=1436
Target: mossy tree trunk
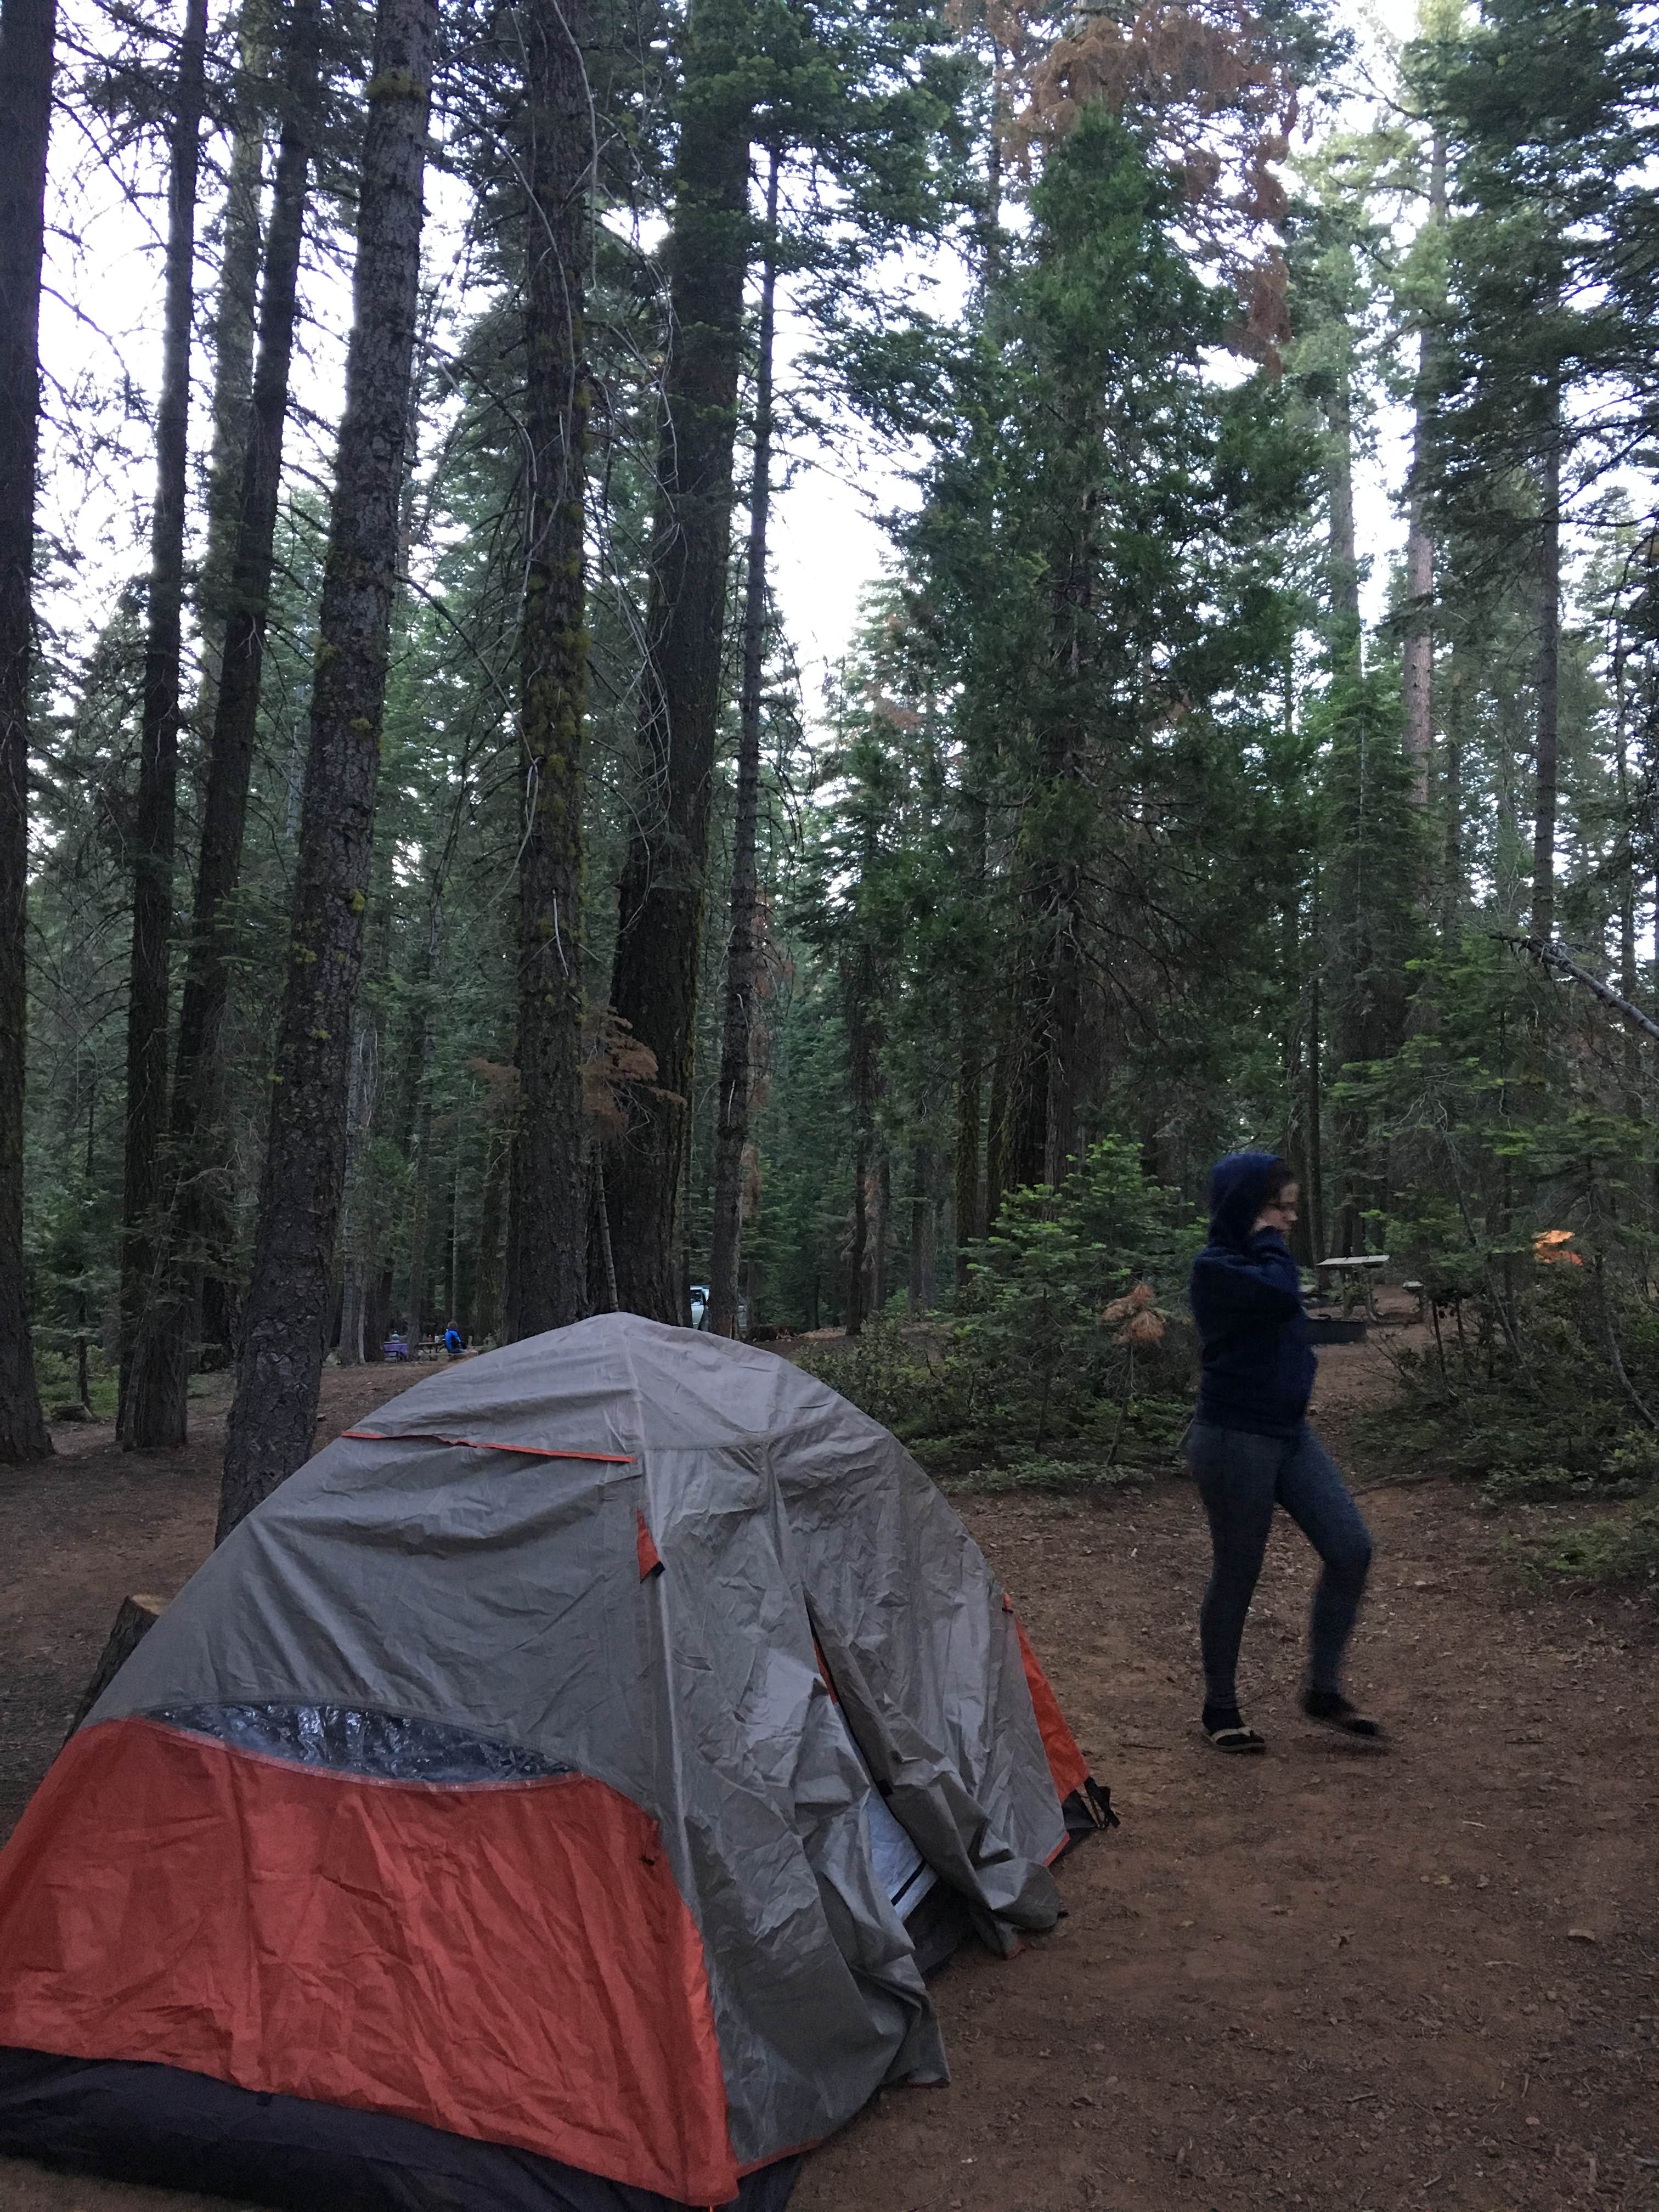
x=275, y=1409
x=547, y=1276
x=194, y=1232
x=27, y=36
x=155, y=827
x=663, y=893
x=732, y=1104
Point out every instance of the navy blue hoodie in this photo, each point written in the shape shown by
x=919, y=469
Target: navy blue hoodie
x=1258, y=1365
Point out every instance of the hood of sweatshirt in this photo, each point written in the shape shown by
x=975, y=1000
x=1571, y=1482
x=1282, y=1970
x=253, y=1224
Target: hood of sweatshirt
x=1238, y=1189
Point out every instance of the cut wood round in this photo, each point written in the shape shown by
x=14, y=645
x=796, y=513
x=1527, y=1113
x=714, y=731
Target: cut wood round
x=134, y=1620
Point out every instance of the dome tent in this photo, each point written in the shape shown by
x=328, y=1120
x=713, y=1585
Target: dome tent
x=488, y=1823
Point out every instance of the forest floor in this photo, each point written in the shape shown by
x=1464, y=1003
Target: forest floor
x=1326, y=1978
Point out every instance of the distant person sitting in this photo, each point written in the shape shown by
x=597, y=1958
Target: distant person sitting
x=455, y=1342
x=1250, y=1448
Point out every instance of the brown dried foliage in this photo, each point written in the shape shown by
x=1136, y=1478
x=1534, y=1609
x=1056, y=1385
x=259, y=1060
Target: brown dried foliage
x=1217, y=105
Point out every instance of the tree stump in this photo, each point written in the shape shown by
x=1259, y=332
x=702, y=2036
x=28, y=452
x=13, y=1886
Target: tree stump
x=133, y=1621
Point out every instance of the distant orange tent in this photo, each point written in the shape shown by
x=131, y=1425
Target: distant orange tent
x=1549, y=1249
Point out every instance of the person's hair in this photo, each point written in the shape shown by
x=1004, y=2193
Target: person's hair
x=1280, y=1176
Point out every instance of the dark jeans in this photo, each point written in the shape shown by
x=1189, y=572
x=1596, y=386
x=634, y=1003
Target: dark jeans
x=1241, y=1478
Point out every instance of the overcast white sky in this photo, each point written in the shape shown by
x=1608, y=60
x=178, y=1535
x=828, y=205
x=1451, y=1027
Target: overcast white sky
x=100, y=326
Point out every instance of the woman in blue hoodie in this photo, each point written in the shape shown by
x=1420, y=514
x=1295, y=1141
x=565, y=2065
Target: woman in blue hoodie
x=1250, y=1448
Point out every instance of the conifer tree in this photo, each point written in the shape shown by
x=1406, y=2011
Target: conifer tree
x=27, y=35
x=191, y=1234
x=280, y=1366
x=547, y=1272
x=155, y=812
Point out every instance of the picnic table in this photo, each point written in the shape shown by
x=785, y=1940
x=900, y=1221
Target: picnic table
x=1360, y=1268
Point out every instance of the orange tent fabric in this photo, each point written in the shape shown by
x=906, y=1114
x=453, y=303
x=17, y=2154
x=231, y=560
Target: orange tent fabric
x=449, y=1940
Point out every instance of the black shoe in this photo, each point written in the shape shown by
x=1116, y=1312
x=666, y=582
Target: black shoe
x=1332, y=1709
x=1227, y=1732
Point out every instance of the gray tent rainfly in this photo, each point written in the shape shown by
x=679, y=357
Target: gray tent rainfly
x=489, y=1823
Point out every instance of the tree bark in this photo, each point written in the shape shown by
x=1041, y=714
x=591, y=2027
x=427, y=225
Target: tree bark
x=969, y=1184
x=195, y=1234
x=878, y=1241
x=863, y=1060
x=1549, y=679
x=27, y=33
x=860, y=1247
x=924, y=1233
x=1417, y=657
x=548, y=1218
x=233, y=324
x=274, y=1411
x=420, y=1206
x=663, y=891
x=357, y=1251
x=158, y=763
x=1342, y=556
x=1624, y=860
x=1045, y=1095
x=997, y=1181
x=970, y=1180
x=1315, y=1136
x=1453, y=887
x=731, y=1103
x=487, y=1294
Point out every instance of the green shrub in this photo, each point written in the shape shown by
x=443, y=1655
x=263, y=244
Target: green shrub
x=885, y=1372
x=1036, y=1335
x=55, y=1372
x=1036, y=1471
x=1619, y=1550
x=1062, y=1370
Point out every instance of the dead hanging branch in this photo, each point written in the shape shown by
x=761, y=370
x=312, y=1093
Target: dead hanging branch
x=1552, y=956
x=1614, y=1353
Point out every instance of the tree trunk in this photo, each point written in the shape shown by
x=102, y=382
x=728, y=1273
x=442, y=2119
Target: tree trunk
x=997, y=1184
x=924, y=1233
x=662, y=902
x=990, y=239
x=1342, y=556
x=969, y=1184
x=970, y=1178
x=378, y=1319
x=731, y=1103
x=158, y=761
x=858, y=992
x=1315, y=1136
x=856, y=1256
x=1549, y=680
x=878, y=1242
x=486, y=1294
x=1624, y=860
x=1454, y=890
x=548, y=1220
x=1417, y=665
x=196, y=1229
x=233, y=323
x=357, y=1260
x=421, y=1207
x=274, y=1408
x=28, y=30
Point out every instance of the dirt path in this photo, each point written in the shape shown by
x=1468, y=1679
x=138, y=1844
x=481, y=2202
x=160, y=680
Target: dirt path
x=1320, y=1979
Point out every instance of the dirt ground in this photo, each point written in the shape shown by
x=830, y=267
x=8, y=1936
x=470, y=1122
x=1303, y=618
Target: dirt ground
x=1322, y=1979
